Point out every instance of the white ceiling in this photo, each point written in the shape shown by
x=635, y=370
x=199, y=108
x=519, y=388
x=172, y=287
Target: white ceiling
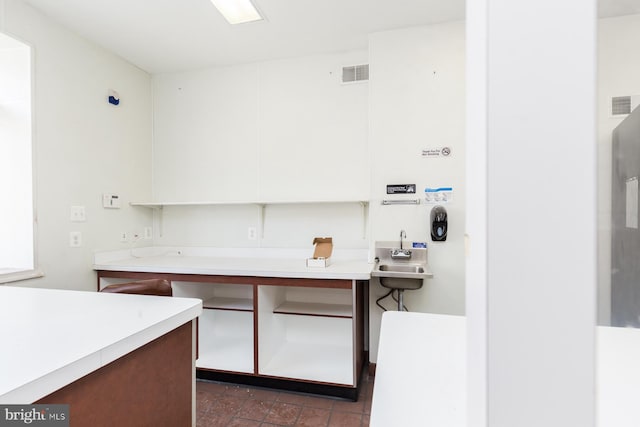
x=171, y=35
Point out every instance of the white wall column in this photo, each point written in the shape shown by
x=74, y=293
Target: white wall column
x=531, y=212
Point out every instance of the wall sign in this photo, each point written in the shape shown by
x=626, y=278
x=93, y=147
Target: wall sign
x=401, y=189
x=438, y=195
x=436, y=152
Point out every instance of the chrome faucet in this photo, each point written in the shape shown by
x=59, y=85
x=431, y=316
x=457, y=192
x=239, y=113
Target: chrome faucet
x=401, y=253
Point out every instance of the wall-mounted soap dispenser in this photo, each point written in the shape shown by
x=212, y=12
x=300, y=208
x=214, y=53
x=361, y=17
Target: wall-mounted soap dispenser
x=439, y=224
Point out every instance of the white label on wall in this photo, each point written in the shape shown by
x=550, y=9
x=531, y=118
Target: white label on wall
x=110, y=201
x=436, y=152
x=632, y=203
x=438, y=195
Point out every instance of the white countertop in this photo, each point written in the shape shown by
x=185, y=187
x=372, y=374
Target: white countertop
x=421, y=373
x=228, y=262
x=54, y=337
x=618, y=377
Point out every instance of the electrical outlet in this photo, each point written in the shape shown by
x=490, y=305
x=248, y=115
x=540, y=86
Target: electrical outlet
x=78, y=214
x=148, y=233
x=124, y=237
x=75, y=239
x=252, y=233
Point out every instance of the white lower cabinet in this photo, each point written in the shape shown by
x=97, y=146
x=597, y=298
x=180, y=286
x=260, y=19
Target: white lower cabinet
x=225, y=328
x=225, y=341
x=298, y=334
x=306, y=333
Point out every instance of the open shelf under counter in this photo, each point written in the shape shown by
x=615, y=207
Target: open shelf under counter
x=300, y=334
x=315, y=309
x=225, y=341
x=233, y=354
x=312, y=362
x=232, y=304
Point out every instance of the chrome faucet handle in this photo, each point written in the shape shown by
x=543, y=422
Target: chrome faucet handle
x=400, y=254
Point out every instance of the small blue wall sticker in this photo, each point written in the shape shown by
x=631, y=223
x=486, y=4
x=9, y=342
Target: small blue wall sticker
x=114, y=97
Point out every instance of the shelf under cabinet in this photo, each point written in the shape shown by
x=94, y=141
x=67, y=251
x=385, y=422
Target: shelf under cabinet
x=227, y=354
x=235, y=304
x=225, y=340
x=315, y=309
x=314, y=362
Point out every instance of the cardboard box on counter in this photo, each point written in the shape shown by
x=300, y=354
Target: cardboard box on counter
x=322, y=252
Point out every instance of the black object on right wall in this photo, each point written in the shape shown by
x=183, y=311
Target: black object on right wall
x=439, y=224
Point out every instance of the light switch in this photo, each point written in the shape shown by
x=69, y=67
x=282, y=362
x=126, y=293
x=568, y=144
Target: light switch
x=78, y=214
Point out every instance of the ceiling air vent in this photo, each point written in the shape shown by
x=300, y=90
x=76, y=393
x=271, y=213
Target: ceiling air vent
x=355, y=73
x=623, y=105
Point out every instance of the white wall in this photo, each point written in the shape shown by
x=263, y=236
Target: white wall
x=83, y=146
x=476, y=218
x=531, y=306
x=275, y=131
x=285, y=226
x=313, y=129
x=288, y=130
x=417, y=101
x=618, y=71
x=205, y=135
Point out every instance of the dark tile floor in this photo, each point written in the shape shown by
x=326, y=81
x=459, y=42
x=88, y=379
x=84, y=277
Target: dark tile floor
x=224, y=404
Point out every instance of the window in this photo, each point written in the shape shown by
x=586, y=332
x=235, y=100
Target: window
x=16, y=162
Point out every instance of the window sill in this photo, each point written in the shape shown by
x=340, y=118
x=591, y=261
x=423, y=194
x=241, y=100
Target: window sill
x=20, y=275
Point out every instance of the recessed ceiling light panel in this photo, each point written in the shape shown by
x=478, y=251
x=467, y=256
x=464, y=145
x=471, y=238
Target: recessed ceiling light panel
x=237, y=11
